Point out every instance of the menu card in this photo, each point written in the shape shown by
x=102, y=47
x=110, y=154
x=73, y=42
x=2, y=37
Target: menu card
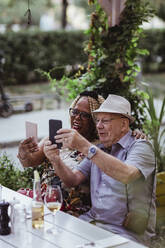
x=112, y=241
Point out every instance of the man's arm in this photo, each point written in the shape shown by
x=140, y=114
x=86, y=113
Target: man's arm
x=110, y=165
x=70, y=178
x=114, y=167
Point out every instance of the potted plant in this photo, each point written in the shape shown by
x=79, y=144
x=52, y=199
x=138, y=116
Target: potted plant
x=153, y=126
x=14, y=178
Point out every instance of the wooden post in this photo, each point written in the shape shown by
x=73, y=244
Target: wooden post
x=113, y=9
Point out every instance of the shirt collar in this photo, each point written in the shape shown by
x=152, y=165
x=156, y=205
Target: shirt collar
x=123, y=142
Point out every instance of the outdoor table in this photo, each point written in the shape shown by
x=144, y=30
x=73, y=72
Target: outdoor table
x=73, y=233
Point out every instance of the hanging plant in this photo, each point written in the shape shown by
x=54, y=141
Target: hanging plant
x=28, y=14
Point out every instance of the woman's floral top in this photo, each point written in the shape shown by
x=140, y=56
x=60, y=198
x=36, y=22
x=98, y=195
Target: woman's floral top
x=76, y=200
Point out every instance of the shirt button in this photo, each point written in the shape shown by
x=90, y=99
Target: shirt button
x=94, y=214
x=97, y=216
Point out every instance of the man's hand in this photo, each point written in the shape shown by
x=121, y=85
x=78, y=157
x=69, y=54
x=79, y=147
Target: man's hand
x=71, y=139
x=51, y=152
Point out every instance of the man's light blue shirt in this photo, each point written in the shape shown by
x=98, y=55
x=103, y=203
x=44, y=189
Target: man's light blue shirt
x=108, y=196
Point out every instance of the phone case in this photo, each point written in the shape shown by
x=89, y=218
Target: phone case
x=54, y=126
x=31, y=130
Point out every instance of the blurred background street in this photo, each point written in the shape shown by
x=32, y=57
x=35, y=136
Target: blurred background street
x=12, y=129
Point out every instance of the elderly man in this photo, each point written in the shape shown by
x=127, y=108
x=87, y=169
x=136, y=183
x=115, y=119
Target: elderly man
x=121, y=171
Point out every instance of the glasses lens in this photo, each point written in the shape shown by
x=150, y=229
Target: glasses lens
x=73, y=112
x=83, y=115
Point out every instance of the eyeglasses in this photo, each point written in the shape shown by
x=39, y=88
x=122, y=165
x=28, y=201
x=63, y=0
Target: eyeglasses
x=106, y=121
x=76, y=112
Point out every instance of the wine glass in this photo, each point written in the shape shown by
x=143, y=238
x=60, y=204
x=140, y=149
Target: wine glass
x=53, y=200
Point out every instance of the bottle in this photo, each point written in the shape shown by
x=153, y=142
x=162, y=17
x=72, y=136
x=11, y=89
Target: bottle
x=37, y=203
x=4, y=219
x=17, y=216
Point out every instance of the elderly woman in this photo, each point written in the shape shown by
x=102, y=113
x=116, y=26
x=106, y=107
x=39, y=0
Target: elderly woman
x=82, y=120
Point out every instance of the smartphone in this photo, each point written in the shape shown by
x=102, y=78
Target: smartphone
x=54, y=126
x=31, y=130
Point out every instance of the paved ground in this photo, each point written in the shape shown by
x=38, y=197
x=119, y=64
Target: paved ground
x=12, y=129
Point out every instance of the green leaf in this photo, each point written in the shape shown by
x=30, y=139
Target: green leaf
x=162, y=112
x=137, y=68
x=130, y=62
x=143, y=51
x=129, y=72
x=126, y=79
x=102, y=80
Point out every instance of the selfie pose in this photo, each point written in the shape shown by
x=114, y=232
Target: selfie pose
x=121, y=171
x=76, y=200
x=30, y=154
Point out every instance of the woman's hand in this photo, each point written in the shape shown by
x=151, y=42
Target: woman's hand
x=139, y=135
x=26, y=148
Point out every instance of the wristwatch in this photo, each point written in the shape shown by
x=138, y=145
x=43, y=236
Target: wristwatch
x=91, y=152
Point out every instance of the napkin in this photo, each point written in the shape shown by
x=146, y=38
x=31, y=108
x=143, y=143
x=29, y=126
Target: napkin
x=109, y=242
x=112, y=241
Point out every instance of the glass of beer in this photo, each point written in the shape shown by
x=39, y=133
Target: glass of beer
x=53, y=200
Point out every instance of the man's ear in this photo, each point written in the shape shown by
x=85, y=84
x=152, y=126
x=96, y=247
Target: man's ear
x=125, y=123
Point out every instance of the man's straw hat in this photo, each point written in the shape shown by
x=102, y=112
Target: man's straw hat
x=117, y=105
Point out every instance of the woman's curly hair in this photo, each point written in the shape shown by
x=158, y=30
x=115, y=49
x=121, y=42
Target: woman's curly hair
x=95, y=101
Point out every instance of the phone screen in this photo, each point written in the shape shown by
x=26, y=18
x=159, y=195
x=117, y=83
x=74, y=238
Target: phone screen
x=31, y=130
x=54, y=126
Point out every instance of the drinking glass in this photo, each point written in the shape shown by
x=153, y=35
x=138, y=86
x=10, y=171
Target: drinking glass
x=53, y=200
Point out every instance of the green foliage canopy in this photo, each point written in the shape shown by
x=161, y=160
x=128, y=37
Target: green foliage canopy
x=112, y=55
